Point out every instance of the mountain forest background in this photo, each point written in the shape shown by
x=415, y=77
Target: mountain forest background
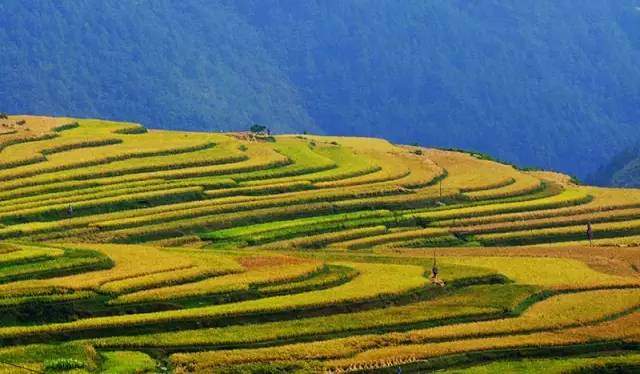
x=546, y=83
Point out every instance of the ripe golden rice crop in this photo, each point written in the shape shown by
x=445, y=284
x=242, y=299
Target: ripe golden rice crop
x=364, y=349
x=127, y=265
x=566, y=198
x=26, y=253
x=555, y=273
x=522, y=185
x=614, y=215
x=273, y=280
x=374, y=281
x=224, y=284
x=391, y=237
x=468, y=173
x=558, y=234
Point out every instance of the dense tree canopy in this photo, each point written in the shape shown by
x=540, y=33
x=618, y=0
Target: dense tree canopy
x=553, y=84
x=623, y=170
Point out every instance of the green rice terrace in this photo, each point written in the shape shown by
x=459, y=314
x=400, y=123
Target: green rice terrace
x=127, y=250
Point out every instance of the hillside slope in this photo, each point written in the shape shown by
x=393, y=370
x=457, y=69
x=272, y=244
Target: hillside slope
x=623, y=170
x=141, y=251
x=102, y=181
x=548, y=84
x=109, y=181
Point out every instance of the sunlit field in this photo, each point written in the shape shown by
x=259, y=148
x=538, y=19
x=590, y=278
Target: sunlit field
x=127, y=250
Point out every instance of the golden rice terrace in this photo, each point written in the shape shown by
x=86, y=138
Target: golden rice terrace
x=127, y=250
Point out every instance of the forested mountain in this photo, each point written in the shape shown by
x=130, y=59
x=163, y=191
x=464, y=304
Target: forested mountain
x=547, y=83
x=623, y=170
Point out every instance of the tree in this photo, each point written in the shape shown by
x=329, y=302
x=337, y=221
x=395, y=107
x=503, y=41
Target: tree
x=4, y=116
x=256, y=128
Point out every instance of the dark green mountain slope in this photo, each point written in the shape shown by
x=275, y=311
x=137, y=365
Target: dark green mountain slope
x=550, y=83
x=187, y=65
x=623, y=170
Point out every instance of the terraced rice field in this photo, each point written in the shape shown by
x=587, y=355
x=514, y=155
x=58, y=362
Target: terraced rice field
x=127, y=250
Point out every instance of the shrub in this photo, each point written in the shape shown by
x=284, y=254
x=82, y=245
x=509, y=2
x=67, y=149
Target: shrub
x=67, y=126
x=256, y=128
x=63, y=364
x=131, y=129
